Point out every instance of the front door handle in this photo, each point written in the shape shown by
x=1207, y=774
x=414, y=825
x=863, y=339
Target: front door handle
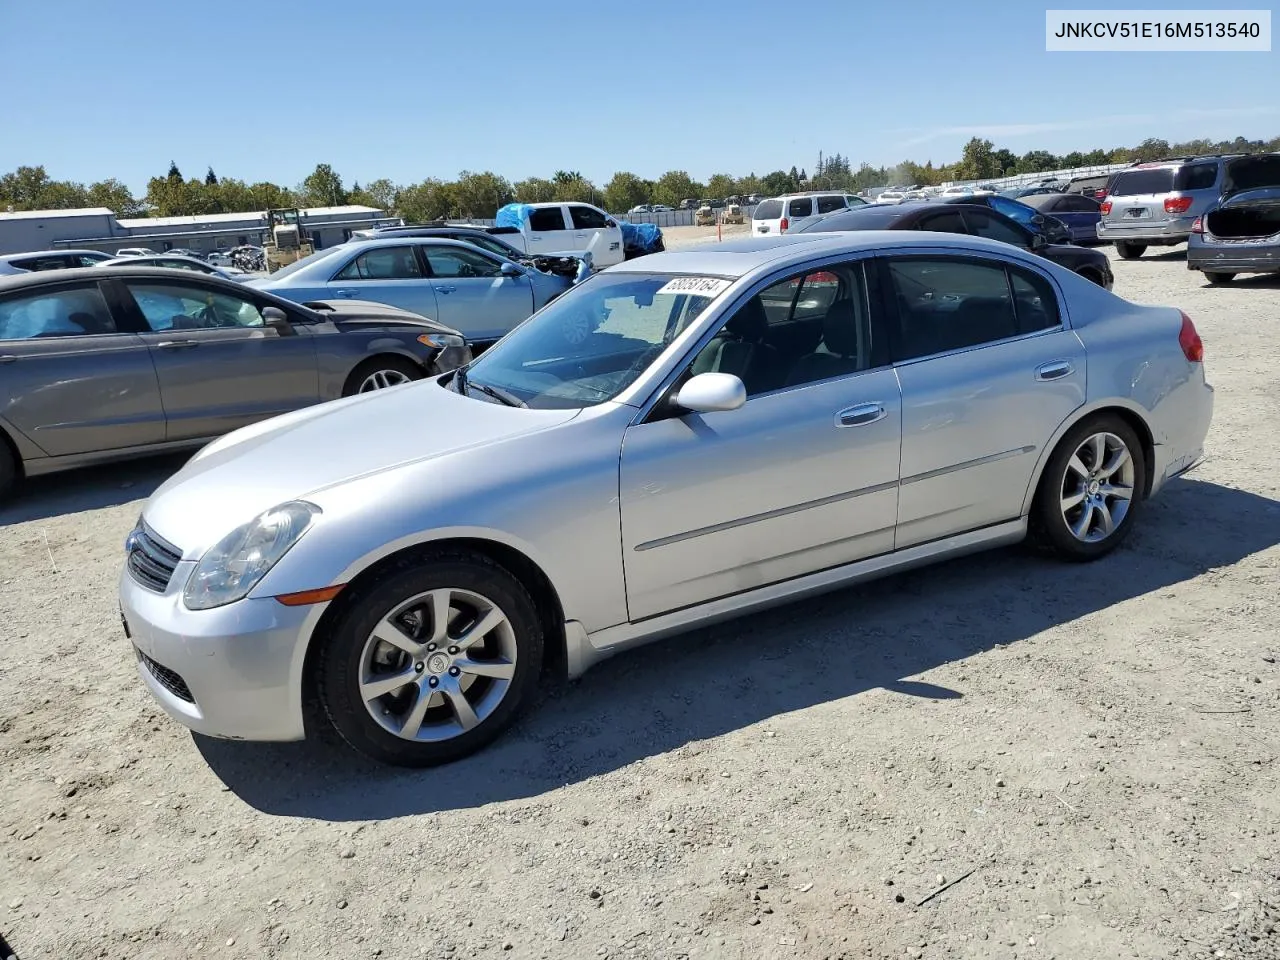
x=1055, y=370
x=860, y=415
x=345, y=292
x=445, y=289
x=177, y=344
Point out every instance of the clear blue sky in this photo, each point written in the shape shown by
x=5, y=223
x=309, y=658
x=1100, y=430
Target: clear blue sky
x=407, y=89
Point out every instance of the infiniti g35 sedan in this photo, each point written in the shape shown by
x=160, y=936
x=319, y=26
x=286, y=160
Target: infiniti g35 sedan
x=117, y=362
x=682, y=438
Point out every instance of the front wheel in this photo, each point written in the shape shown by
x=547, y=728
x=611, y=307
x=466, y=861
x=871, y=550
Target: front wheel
x=380, y=373
x=1218, y=279
x=433, y=662
x=1091, y=489
x=1130, y=251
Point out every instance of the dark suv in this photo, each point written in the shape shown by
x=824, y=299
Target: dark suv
x=1155, y=204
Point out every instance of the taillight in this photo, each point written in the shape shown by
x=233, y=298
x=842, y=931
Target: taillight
x=1177, y=204
x=1197, y=225
x=782, y=225
x=1190, y=342
x=1105, y=208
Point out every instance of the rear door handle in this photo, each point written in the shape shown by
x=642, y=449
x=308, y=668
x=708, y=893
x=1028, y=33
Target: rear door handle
x=177, y=344
x=1054, y=370
x=443, y=289
x=860, y=415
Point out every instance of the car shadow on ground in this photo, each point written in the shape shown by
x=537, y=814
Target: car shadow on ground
x=91, y=488
x=715, y=680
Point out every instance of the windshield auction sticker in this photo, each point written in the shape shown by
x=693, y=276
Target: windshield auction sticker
x=698, y=286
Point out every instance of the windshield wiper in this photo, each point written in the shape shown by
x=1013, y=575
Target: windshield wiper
x=460, y=380
x=502, y=396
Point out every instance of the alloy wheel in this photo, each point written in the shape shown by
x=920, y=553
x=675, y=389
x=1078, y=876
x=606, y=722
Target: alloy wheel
x=381, y=379
x=1098, y=487
x=437, y=665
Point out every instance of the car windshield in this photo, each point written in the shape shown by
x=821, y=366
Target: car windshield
x=590, y=344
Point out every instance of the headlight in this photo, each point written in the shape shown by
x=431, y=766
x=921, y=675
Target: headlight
x=233, y=566
x=442, y=340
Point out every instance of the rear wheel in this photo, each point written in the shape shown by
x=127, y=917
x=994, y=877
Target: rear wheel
x=1130, y=251
x=380, y=373
x=431, y=663
x=1219, y=278
x=1091, y=489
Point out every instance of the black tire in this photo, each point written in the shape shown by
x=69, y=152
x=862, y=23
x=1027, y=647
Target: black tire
x=1049, y=518
x=9, y=471
x=388, y=363
x=341, y=656
x=1219, y=279
x=1130, y=251
x=1093, y=276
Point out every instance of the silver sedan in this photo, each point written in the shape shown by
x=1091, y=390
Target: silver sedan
x=683, y=438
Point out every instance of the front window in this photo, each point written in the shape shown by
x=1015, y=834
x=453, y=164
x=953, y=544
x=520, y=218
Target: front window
x=593, y=342
x=587, y=218
x=176, y=306
x=460, y=262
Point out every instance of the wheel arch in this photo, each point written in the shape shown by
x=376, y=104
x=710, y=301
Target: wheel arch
x=534, y=579
x=382, y=351
x=1130, y=412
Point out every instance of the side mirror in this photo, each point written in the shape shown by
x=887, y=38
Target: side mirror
x=711, y=393
x=611, y=223
x=510, y=269
x=1038, y=241
x=278, y=320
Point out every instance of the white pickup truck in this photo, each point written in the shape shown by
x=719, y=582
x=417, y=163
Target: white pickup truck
x=549, y=228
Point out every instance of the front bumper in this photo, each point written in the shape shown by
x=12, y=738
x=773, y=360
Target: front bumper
x=1152, y=233
x=233, y=672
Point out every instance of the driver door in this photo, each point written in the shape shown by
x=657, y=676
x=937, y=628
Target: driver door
x=473, y=295
x=803, y=477
x=218, y=366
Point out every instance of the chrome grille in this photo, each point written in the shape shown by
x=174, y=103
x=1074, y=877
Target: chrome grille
x=167, y=678
x=151, y=561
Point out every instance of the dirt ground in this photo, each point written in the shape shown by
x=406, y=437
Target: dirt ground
x=1086, y=752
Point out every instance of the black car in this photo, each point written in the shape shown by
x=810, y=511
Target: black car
x=1020, y=211
x=968, y=218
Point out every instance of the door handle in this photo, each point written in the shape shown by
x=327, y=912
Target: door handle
x=1055, y=370
x=8, y=358
x=860, y=415
x=344, y=293
x=177, y=344
x=445, y=289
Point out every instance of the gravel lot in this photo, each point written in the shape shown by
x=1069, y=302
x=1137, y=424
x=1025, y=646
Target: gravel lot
x=1090, y=751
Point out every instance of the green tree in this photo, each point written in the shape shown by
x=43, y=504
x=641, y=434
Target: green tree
x=322, y=188
x=978, y=161
x=721, y=185
x=115, y=196
x=380, y=193
x=778, y=183
x=1006, y=160
x=535, y=190
x=174, y=173
x=1038, y=161
x=676, y=185
x=481, y=194
x=423, y=202
x=211, y=178
x=573, y=187
x=236, y=196
x=748, y=185
x=1152, y=149
x=268, y=196
x=625, y=191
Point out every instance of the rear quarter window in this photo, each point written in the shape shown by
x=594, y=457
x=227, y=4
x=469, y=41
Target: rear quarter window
x=768, y=210
x=1197, y=176
x=1135, y=182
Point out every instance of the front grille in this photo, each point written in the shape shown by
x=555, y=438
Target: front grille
x=167, y=678
x=151, y=561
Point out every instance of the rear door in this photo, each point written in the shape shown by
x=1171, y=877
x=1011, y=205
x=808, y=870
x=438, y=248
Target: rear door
x=549, y=230
x=473, y=295
x=391, y=275
x=219, y=367
x=988, y=372
x=72, y=378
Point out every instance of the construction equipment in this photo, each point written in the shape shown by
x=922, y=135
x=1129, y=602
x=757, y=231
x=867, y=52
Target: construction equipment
x=287, y=238
x=705, y=216
x=733, y=214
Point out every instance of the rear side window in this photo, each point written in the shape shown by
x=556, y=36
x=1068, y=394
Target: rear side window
x=41, y=263
x=986, y=223
x=800, y=207
x=1074, y=203
x=1135, y=182
x=949, y=222
x=1034, y=301
x=74, y=312
x=1197, y=176
x=585, y=218
x=947, y=304
x=768, y=210
x=830, y=204
x=546, y=218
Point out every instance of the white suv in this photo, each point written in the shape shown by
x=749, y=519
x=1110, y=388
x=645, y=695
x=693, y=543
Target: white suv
x=794, y=210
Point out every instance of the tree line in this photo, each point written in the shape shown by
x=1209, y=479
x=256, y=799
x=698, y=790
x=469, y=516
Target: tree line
x=480, y=194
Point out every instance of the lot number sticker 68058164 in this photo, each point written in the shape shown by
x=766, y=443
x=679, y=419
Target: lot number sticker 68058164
x=698, y=286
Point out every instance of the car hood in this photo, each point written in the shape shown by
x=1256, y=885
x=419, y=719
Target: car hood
x=358, y=314
x=1249, y=173
x=300, y=454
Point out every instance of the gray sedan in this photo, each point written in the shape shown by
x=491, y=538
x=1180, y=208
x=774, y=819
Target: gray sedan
x=744, y=424
x=173, y=261
x=117, y=362
x=474, y=291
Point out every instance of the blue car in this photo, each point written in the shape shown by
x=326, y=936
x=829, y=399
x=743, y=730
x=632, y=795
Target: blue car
x=476, y=292
x=1080, y=213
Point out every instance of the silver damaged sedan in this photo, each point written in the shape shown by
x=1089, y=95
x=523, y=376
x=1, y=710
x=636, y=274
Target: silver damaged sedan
x=682, y=438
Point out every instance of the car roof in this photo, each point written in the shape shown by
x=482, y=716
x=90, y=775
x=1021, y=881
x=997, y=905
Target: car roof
x=38, y=278
x=45, y=253
x=737, y=258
